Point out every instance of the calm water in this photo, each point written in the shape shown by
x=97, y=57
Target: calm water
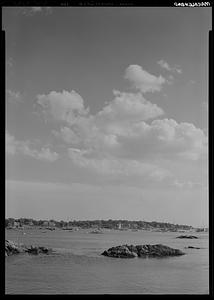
x=76, y=266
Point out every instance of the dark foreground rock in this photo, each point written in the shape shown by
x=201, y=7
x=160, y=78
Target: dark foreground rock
x=14, y=248
x=130, y=251
x=186, y=237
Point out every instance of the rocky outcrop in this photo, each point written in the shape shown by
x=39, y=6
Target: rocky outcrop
x=120, y=251
x=130, y=251
x=38, y=250
x=186, y=237
x=14, y=248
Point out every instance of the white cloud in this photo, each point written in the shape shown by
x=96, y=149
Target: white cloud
x=62, y=106
x=167, y=67
x=94, y=140
x=120, y=130
x=97, y=131
x=120, y=140
x=14, y=146
x=142, y=80
x=69, y=107
x=164, y=65
x=68, y=135
x=129, y=107
x=164, y=139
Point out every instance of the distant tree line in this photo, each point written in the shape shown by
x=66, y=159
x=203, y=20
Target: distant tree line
x=97, y=223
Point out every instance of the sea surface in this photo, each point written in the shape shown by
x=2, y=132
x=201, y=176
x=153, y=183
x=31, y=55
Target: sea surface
x=77, y=267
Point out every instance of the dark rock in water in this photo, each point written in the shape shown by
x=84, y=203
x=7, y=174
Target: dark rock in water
x=13, y=248
x=32, y=250
x=45, y=250
x=126, y=251
x=120, y=251
x=186, y=237
x=38, y=250
x=158, y=250
x=192, y=247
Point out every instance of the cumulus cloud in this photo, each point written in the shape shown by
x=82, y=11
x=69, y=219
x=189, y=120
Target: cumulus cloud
x=97, y=131
x=129, y=106
x=139, y=140
x=62, y=106
x=68, y=135
x=90, y=138
x=142, y=80
x=166, y=66
x=14, y=146
x=163, y=138
x=126, y=138
x=120, y=128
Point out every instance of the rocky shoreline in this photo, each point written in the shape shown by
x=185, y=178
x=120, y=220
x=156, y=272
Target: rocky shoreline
x=144, y=251
x=12, y=248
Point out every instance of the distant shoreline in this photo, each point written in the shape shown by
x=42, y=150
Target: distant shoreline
x=100, y=224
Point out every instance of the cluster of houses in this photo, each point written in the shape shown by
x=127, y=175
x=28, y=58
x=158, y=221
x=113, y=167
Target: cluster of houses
x=18, y=224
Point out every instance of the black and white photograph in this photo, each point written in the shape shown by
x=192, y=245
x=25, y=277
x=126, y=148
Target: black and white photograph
x=106, y=150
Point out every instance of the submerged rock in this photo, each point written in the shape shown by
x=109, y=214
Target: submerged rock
x=186, y=237
x=130, y=251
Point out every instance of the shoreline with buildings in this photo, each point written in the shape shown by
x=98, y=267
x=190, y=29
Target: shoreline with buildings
x=100, y=225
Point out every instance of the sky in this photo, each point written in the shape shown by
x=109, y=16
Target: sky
x=107, y=113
